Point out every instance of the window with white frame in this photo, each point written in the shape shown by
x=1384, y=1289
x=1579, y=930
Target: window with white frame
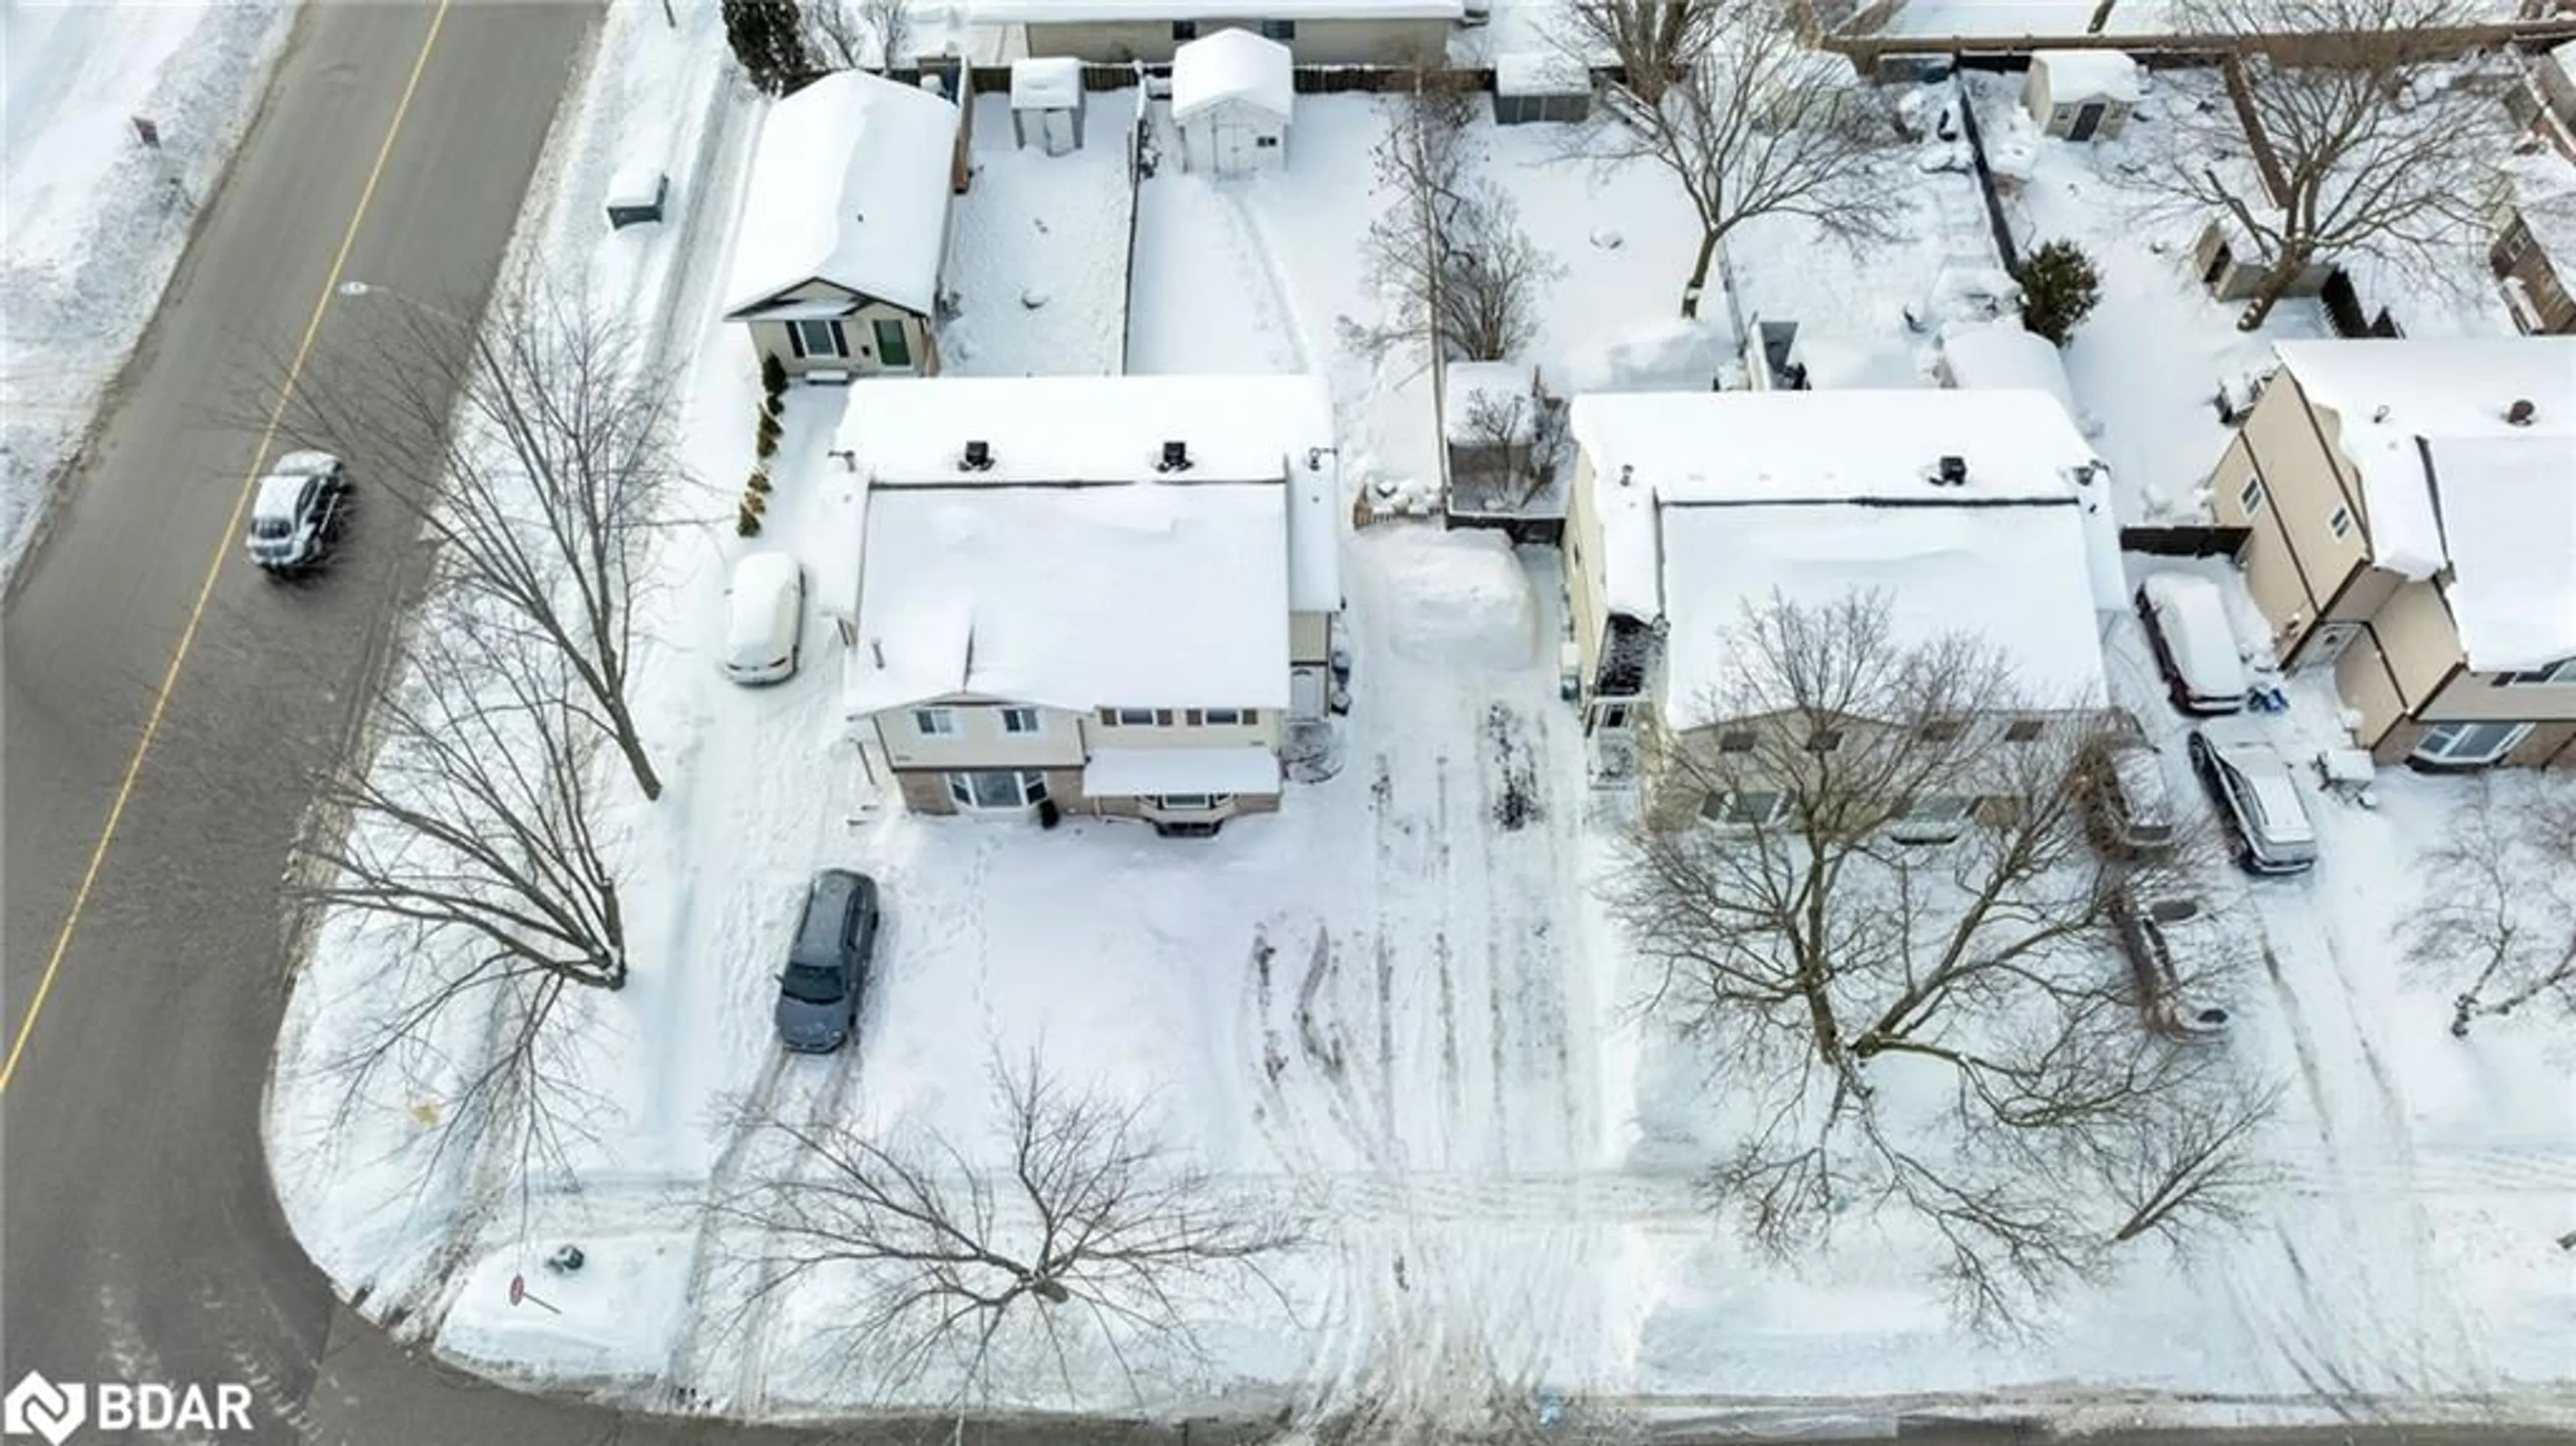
x=1744, y=808
x=1135, y=717
x=997, y=788
x=935, y=722
x=2340, y=523
x=2562, y=671
x=1021, y=720
x=815, y=337
x=2250, y=496
x=2469, y=745
x=1191, y=802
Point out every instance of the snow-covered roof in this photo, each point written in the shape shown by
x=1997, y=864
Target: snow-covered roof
x=1145, y=594
x=1540, y=72
x=850, y=186
x=2508, y=509
x=1496, y=384
x=1985, y=355
x=1072, y=570
x=1232, y=65
x=2077, y=74
x=1041, y=12
x=1046, y=82
x=2388, y=395
x=1708, y=500
x=2013, y=576
x=1136, y=772
x=2564, y=55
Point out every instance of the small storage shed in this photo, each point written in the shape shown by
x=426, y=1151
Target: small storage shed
x=1046, y=103
x=2081, y=95
x=2004, y=355
x=1541, y=85
x=1231, y=95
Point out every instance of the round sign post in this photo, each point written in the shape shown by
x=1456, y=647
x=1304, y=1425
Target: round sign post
x=519, y=1294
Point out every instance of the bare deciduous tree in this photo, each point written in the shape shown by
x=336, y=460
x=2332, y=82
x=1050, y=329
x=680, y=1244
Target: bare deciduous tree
x=1449, y=248
x=470, y=826
x=1942, y=1027
x=538, y=451
x=1759, y=125
x=1084, y=1212
x=1653, y=41
x=2498, y=918
x=856, y=34
x=2341, y=141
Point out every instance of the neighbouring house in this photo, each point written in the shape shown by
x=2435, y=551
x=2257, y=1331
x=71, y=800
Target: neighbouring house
x=1047, y=103
x=844, y=225
x=2534, y=253
x=2002, y=354
x=1976, y=512
x=1540, y=85
x=1113, y=594
x=1232, y=92
x=1325, y=32
x=2412, y=516
x=2082, y=95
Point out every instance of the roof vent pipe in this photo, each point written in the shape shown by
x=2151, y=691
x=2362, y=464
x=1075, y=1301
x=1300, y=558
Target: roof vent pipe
x=979, y=457
x=1954, y=472
x=2521, y=412
x=1176, y=457
x=1627, y=474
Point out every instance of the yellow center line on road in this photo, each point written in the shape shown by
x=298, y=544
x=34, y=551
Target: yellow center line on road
x=215, y=565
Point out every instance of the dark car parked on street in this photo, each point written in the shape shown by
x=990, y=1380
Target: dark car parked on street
x=827, y=966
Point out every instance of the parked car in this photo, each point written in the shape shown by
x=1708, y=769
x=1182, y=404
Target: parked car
x=2173, y=949
x=2186, y=620
x=764, y=618
x=296, y=514
x=2128, y=811
x=2257, y=798
x=827, y=964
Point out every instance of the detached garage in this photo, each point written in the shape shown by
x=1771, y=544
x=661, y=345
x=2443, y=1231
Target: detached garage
x=1231, y=95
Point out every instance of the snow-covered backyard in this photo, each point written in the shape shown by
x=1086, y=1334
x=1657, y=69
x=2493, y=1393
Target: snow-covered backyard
x=97, y=218
x=1397, y=1008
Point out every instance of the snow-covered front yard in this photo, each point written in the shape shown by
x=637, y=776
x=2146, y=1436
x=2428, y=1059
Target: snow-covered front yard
x=96, y=218
x=1397, y=1007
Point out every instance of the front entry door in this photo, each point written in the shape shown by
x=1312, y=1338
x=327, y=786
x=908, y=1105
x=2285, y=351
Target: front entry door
x=894, y=347
x=2322, y=647
x=2088, y=119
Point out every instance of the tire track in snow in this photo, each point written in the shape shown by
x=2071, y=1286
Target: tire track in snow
x=689, y=1356
x=829, y=1104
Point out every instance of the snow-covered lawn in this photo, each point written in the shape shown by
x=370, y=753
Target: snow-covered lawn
x=1397, y=1004
x=2148, y=363
x=1038, y=250
x=96, y=219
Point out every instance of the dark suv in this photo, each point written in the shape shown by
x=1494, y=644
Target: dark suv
x=827, y=965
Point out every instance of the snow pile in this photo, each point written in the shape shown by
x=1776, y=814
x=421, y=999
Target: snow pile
x=96, y=219
x=1466, y=602
x=2003, y=354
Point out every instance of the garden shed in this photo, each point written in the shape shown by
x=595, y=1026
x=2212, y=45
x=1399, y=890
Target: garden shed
x=2082, y=95
x=1540, y=86
x=1231, y=96
x=1046, y=103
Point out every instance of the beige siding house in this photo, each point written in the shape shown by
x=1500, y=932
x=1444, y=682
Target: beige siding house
x=2411, y=508
x=844, y=225
x=1321, y=32
x=1114, y=595
x=1968, y=512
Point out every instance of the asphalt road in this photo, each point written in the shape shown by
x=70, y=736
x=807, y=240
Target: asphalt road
x=139, y=1238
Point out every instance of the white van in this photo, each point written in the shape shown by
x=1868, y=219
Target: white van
x=2186, y=620
x=764, y=618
